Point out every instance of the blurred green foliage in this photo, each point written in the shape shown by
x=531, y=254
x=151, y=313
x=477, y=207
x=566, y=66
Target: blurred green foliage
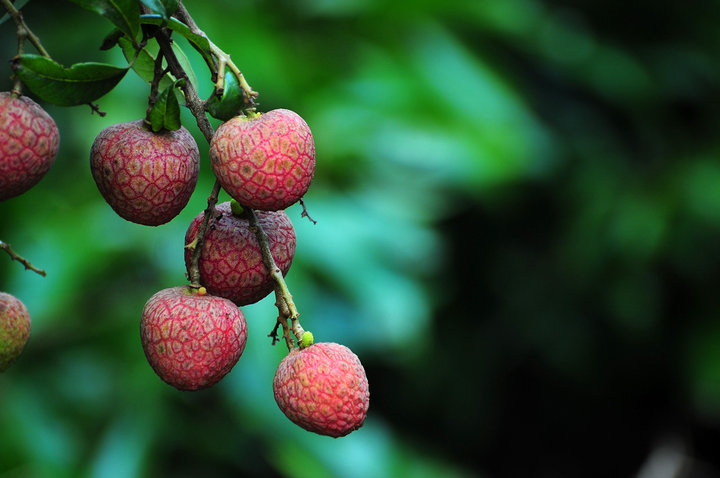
x=518, y=207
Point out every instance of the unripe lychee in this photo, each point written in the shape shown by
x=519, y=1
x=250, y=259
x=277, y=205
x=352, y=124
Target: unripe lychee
x=146, y=177
x=29, y=141
x=191, y=340
x=323, y=389
x=14, y=329
x=231, y=263
x=265, y=162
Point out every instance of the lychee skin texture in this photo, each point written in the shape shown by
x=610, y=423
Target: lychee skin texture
x=14, y=329
x=231, y=264
x=323, y=389
x=265, y=163
x=191, y=340
x=29, y=142
x=146, y=177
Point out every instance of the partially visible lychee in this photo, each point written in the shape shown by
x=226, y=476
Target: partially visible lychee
x=265, y=162
x=191, y=340
x=323, y=388
x=29, y=142
x=14, y=329
x=231, y=263
x=146, y=177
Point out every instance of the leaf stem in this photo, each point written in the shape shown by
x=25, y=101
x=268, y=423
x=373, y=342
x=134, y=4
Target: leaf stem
x=15, y=257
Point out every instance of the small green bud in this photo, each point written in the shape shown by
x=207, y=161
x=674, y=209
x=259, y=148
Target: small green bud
x=307, y=340
x=236, y=208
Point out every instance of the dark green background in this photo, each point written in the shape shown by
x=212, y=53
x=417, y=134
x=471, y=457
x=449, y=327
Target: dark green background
x=518, y=207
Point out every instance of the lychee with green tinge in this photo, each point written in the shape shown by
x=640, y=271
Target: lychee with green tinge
x=29, y=142
x=191, y=340
x=265, y=162
x=323, y=388
x=231, y=263
x=14, y=329
x=146, y=177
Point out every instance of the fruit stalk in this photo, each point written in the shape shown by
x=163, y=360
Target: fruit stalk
x=15, y=257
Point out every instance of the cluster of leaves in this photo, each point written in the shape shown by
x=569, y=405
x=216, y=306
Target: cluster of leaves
x=85, y=82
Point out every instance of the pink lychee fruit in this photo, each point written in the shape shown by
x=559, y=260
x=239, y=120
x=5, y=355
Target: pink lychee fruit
x=323, y=389
x=146, y=177
x=191, y=339
x=265, y=162
x=231, y=263
x=29, y=141
x=14, y=329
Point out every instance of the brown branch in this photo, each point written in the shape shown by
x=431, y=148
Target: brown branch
x=15, y=257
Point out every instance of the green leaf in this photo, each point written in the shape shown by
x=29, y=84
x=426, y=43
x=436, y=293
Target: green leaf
x=229, y=105
x=164, y=8
x=179, y=27
x=144, y=64
x=185, y=64
x=79, y=84
x=18, y=5
x=124, y=14
x=165, y=113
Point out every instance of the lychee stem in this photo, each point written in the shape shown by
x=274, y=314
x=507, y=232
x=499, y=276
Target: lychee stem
x=15, y=257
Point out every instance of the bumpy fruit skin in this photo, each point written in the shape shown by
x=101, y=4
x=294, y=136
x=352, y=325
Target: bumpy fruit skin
x=14, y=329
x=146, y=177
x=29, y=142
x=231, y=263
x=191, y=340
x=265, y=163
x=323, y=389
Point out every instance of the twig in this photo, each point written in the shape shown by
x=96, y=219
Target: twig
x=15, y=257
x=197, y=244
x=23, y=30
x=304, y=212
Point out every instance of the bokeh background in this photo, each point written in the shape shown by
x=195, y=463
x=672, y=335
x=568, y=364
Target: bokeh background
x=518, y=206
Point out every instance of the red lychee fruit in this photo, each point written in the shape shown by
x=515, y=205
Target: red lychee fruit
x=265, y=162
x=231, y=264
x=323, y=389
x=146, y=177
x=191, y=340
x=29, y=141
x=14, y=329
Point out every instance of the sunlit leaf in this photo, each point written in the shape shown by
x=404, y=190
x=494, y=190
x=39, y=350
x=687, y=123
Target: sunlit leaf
x=79, y=84
x=124, y=14
x=165, y=8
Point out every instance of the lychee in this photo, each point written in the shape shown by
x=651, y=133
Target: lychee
x=14, y=329
x=146, y=177
x=323, y=389
x=265, y=162
x=29, y=142
x=231, y=263
x=191, y=340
